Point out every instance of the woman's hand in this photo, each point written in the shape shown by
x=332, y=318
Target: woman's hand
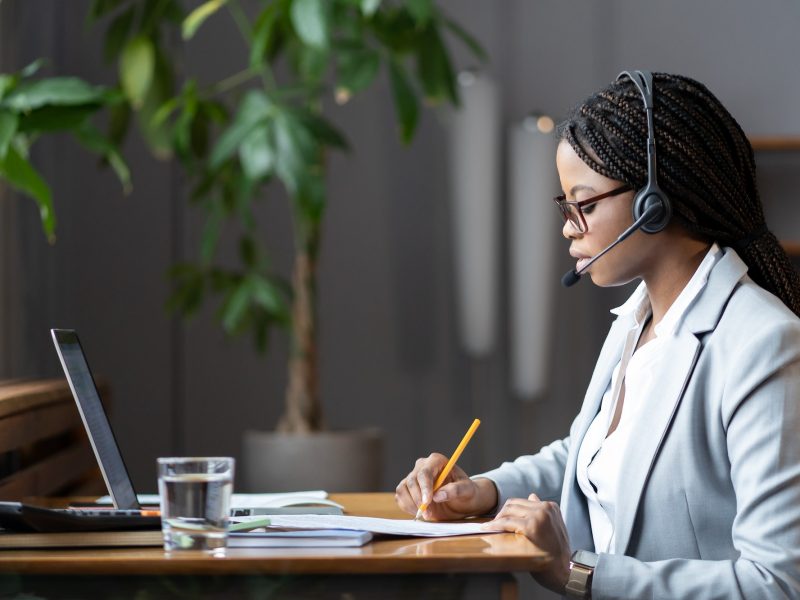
x=458, y=497
x=542, y=524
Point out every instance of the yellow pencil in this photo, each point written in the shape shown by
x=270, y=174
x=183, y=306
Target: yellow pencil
x=450, y=464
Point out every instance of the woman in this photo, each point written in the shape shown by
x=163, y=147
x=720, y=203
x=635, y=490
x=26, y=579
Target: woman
x=680, y=477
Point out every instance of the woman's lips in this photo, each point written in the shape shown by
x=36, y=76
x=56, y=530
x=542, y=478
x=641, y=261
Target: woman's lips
x=581, y=263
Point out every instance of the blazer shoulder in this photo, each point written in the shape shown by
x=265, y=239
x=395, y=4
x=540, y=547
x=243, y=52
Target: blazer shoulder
x=753, y=309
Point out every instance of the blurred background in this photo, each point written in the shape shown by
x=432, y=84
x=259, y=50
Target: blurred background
x=392, y=346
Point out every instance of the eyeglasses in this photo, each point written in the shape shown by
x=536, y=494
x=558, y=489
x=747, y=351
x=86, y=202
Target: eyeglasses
x=572, y=210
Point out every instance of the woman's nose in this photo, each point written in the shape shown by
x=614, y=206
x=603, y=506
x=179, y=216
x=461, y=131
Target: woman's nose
x=570, y=232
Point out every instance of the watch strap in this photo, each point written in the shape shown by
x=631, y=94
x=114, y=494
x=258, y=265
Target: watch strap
x=579, y=584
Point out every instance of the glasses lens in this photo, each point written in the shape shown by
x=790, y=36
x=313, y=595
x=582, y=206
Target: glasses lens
x=571, y=213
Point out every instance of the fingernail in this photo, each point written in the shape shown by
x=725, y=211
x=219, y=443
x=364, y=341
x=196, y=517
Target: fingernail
x=440, y=496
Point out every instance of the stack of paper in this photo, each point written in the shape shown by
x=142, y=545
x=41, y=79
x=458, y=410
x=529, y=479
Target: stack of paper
x=317, y=538
x=404, y=527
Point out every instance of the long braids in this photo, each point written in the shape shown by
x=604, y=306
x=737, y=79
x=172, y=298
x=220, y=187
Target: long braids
x=705, y=166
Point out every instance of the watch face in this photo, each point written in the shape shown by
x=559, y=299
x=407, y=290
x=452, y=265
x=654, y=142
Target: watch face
x=584, y=557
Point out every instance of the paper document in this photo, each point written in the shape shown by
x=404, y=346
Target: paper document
x=254, y=500
x=375, y=525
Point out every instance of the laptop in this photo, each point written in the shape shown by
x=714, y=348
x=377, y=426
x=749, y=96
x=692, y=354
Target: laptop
x=126, y=512
x=109, y=457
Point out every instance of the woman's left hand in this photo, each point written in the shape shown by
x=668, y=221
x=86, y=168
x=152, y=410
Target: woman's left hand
x=542, y=524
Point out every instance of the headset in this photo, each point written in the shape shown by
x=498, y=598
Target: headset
x=650, y=194
x=652, y=209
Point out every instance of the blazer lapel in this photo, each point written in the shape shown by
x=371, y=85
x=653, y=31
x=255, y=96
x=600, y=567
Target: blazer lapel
x=683, y=350
x=573, y=503
x=673, y=375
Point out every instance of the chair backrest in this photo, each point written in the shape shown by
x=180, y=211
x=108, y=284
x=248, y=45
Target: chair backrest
x=44, y=450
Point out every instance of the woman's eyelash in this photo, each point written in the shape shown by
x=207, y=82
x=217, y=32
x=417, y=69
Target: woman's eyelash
x=589, y=208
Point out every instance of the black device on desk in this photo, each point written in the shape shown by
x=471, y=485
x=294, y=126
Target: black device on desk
x=15, y=516
x=126, y=514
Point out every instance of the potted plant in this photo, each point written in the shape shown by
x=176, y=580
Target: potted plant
x=263, y=125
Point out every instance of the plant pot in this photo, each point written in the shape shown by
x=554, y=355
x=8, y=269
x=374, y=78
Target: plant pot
x=335, y=461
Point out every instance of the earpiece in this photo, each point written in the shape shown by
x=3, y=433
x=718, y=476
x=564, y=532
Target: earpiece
x=650, y=195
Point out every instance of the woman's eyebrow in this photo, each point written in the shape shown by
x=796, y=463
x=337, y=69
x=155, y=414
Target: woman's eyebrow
x=580, y=187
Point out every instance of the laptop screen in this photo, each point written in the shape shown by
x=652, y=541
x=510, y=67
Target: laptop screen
x=94, y=419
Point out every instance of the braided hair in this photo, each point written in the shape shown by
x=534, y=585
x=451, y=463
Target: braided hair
x=705, y=166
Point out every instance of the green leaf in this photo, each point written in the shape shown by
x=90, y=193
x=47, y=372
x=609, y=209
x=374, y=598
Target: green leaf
x=368, y=7
x=8, y=127
x=215, y=111
x=421, y=10
x=467, y=39
x=312, y=62
x=435, y=68
x=263, y=34
x=255, y=107
x=117, y=34
x=323, y=130
x=397, y=30
x=310, y=21
x=22, y=176
x=356, y=69
x=310, y=199
x=268, y=296
x=31, y=69
x=56, y=118
x=119, y=119
x=208, y=244
x=295, y=151
x=190, y=285
x=164, y=111
x=172, y=11
x=198, y=16
x=137, y=66
x=256, y=153
x=199, y=134
x=234, y=310
x=405, y=101
x=57, y=91
x=95, y=141
x=7, y=83
x=158, y=137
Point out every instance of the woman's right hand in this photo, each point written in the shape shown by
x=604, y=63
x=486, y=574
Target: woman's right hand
x=457, y=498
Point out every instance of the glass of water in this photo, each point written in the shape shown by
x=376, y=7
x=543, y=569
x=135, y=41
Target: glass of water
x=195, y=498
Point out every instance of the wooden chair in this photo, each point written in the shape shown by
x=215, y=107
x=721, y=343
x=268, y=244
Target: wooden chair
x=44, y=450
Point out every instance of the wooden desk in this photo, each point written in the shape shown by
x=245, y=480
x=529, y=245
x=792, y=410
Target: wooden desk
x=477, y=566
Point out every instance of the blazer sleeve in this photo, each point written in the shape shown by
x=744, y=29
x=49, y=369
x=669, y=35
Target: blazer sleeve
x=541, y=473
x=760, y=414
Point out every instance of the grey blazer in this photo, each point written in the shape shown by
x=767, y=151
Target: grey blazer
x=711, y=500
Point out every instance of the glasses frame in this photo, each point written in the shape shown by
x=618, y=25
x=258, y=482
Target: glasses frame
x=563, y=204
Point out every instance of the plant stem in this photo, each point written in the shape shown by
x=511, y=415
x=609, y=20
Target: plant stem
x=233, y=81
x=303, y=412
x=241, y=20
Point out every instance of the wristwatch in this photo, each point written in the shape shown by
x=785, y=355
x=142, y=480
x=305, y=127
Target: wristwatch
x=581, y=569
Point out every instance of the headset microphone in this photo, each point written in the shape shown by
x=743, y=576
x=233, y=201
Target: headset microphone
x=654, y=212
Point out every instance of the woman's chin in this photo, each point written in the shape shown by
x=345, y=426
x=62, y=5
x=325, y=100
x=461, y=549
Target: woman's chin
x=601, y=279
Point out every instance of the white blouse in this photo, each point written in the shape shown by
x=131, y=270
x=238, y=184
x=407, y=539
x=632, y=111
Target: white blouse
x=600, y=455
